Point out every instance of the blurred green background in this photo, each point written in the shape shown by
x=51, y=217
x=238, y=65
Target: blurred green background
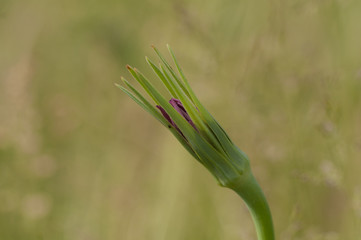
x=79, y=160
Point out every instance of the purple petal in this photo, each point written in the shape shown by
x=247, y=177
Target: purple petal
x=178, y=106
x=166, y=116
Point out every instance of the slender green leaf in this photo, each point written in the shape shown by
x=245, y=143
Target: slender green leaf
x=162, y=77
x=134, y=74
x=151, y=108
x=172, y=72
x=140, y=103
x=223, y=138
x=185, y=144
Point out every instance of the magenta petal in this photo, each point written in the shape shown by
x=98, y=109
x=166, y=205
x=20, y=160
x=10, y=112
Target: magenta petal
x=165, y=115
x=178, y=106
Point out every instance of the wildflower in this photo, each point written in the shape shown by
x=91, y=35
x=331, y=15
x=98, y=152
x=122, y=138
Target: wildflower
x=202, y=136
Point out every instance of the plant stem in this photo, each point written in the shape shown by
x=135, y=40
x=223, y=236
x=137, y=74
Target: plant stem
x=248, y=188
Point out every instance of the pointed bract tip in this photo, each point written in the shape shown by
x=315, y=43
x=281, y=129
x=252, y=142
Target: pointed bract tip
x=128, y=67
x=169, y=48
x=152, y=46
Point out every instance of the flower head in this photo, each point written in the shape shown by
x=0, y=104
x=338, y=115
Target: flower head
x=189, y=121
x=202, y=136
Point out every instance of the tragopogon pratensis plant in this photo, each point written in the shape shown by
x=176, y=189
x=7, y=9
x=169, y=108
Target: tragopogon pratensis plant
x=202, y=136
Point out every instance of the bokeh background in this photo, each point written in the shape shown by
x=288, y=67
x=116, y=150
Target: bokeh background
x=79, y=160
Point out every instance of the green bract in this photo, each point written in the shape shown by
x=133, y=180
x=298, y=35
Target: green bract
x=211, y=146
x=202, y=136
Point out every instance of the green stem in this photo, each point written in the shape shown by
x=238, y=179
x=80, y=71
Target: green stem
x=256, y=202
